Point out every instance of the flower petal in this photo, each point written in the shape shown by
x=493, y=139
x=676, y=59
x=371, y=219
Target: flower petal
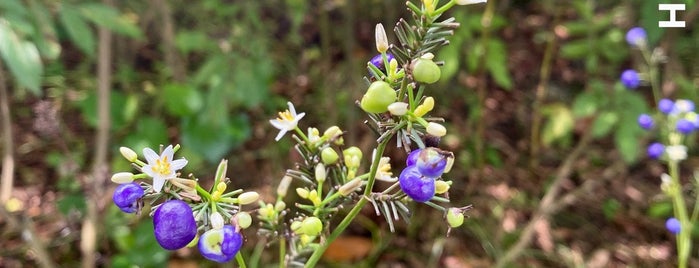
x=158, y=184
x=299, y=116
x=148, y=170
x=150, y=155
x=280, y=135
x=291, y=108
x=278, y=124
x=168, y=153
x=178, y=164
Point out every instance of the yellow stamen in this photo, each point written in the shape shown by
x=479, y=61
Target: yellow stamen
x=162, y=166
x=286, y=116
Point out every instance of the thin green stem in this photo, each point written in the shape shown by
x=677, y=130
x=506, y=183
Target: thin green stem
x=282, y=252
x=240, y=260
x=203, y=192
x=313, y=260
x=303, y=136
x=684, y=243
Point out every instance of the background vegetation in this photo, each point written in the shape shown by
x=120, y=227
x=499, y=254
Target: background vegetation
x=547, y=146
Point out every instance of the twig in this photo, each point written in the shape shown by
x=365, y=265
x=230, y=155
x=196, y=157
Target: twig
x=168, y=37
x=8, y=160
x=94, y=186
x=547, y=204
x=541, y=88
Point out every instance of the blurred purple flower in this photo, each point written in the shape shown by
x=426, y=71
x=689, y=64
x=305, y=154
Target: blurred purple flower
x=673, y=225
x=636, y=37
x=645, y=121
x=655, y=150
x=630, y=79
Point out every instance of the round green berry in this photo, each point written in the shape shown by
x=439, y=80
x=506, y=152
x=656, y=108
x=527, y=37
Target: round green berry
x=377, y=98
x=425, y=71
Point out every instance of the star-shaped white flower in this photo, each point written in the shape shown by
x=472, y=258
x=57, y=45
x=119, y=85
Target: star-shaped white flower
x=287, y=121
x=161, y=167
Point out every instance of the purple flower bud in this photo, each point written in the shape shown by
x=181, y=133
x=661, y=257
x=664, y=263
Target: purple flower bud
x=415, y=185
x=645, y=121
x=684, y=126
x=636, y=37
x=666, y=106
x=673, y=225
x=655, y=150
x=126, y=196
x=630, y=79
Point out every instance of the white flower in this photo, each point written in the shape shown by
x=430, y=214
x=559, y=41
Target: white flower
x=161, y=167
x=469, y=2
x=676, y=152
x=287, y=121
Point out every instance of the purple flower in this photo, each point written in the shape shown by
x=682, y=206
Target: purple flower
x=630, y=79
x=666, y=106
x=655, y=150
x=684, y=126
x=636, y=37
x=645, y=121
x=126, y=196
x=673, y=225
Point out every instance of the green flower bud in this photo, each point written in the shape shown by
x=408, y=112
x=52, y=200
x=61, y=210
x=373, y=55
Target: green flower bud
x=279, y=206
x=248, y=198
x=424, y=108
x=283, y=186
x=320, y=173
x=122, y=177
x=129, y=154
x=377, y=98
x=329, y=156
x=353, y=156
x=455, y=218
x=302, y=192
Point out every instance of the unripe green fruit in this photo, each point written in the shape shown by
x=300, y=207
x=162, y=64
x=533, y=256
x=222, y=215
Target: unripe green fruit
x=311, y=226
x=425, y=71
x=455, y=218
x=377, y=98
x=329, y=156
